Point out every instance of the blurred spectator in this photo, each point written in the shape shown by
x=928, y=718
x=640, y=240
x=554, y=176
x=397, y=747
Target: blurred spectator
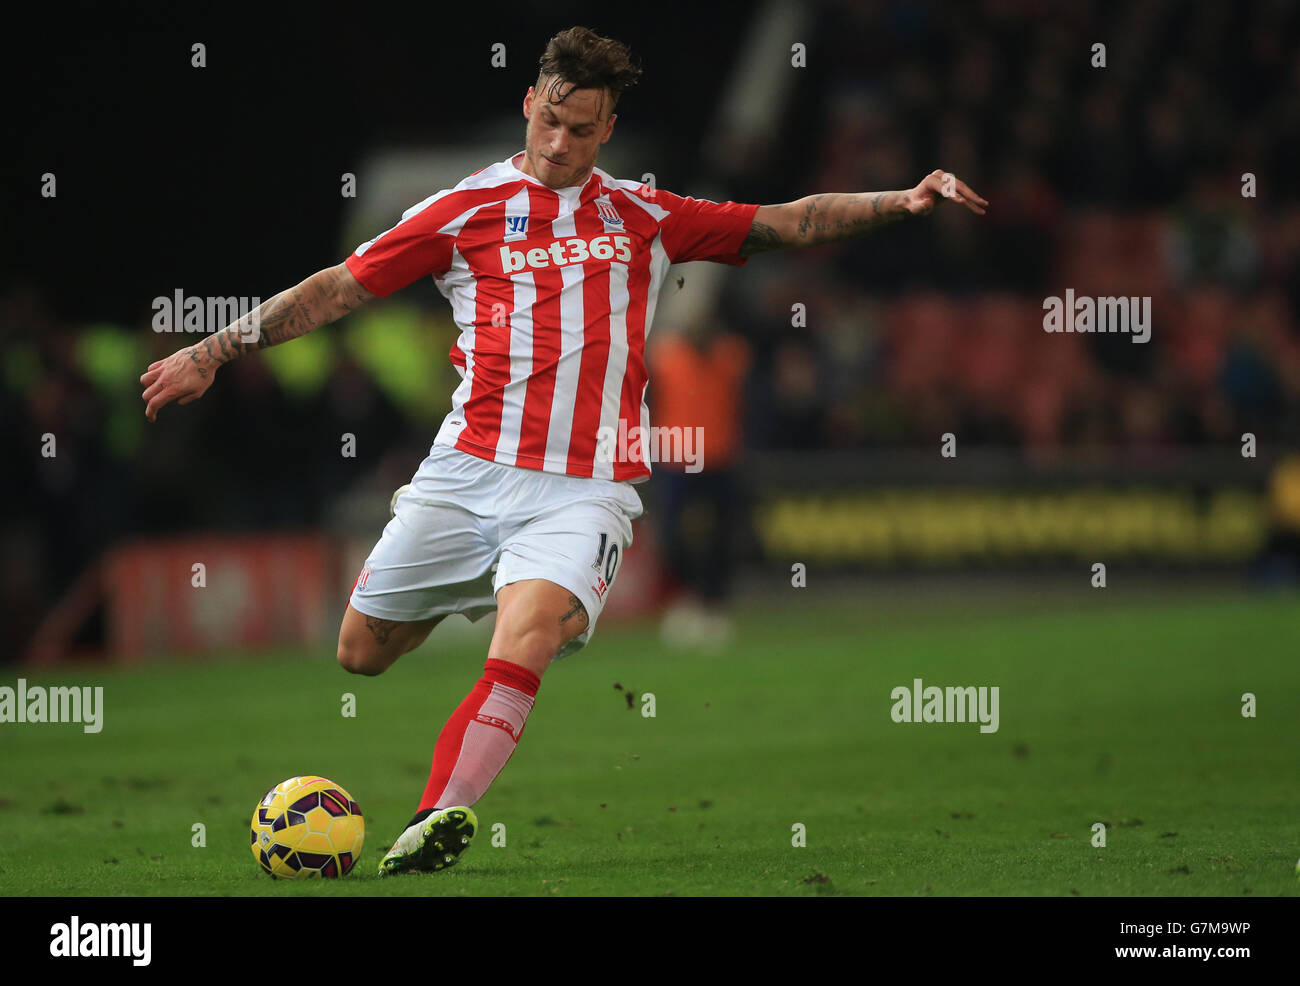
x=1210, y=239
x=697, y=378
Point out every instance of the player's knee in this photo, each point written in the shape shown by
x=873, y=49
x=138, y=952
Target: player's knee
x=532, y=645
x=358, y=660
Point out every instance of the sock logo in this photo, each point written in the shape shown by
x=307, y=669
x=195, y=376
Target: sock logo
x=488, y=720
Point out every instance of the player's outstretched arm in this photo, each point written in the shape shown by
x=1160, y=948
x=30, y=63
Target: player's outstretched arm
x=834, y=216
x=183, y=376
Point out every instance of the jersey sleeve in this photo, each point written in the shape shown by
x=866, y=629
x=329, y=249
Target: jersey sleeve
x=418, y=246
x=698, y=229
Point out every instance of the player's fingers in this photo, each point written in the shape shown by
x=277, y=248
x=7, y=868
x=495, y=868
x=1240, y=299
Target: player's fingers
x=968, y=203
x=188, y=398
x=970, y=193
x=153, y=390
x=931, y=182
x=150, y=375
x=163, y=397
x=954, y=189
x=159, y=401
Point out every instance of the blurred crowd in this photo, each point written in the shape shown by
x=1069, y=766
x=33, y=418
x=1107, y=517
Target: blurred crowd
x=1122, y=180
x=268, y=447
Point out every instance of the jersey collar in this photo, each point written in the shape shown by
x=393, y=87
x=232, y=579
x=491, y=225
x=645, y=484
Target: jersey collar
x=594, y=187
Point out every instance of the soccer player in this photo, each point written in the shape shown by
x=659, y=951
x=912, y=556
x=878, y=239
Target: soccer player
x=525, y=502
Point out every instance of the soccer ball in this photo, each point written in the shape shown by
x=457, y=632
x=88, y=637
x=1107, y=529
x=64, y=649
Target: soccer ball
x=307, y=826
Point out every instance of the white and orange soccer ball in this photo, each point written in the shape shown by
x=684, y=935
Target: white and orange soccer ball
x=306, y=827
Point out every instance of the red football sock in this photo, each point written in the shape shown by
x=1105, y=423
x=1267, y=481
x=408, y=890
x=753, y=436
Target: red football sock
x=480, y=736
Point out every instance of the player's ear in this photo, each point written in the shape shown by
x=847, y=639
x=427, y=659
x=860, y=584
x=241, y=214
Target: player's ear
x=528, y=103
x=609, y=127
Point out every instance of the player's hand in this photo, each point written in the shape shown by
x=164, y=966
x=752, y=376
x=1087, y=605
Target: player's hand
x=940, y=184
x=182, y=377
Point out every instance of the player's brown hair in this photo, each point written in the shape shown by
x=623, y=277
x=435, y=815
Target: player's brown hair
x=584, y=60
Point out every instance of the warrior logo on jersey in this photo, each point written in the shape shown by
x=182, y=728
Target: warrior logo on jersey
x=608, y=213
x=516, y=227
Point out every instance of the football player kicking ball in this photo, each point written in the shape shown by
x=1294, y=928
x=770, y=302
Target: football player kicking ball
x=552, y=268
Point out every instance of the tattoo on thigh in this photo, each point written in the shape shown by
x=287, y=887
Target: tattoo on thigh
x=380, y=629
x=575, y=609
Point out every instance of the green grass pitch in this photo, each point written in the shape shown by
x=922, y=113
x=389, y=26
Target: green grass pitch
x=1121, y=711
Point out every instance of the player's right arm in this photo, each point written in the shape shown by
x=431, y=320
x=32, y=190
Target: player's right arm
x=834, y=216
x=185, y=375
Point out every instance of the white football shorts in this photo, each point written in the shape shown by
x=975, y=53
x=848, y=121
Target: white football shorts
x=469, y=526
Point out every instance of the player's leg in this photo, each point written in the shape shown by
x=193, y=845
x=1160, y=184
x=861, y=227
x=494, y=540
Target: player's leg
x=552, y=581
x=536, y=618
x=433, y=559
x=369, y=645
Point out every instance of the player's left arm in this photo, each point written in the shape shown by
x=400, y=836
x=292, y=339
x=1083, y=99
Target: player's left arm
x=834, y=216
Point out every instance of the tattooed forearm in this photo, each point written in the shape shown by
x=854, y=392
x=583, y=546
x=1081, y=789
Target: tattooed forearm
x=288, y=315
x=576, y=609
x=322, y=298
x=825, y=218
x=381, y=630
x=835, y=216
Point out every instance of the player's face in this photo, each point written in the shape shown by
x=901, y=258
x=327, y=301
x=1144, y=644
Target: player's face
x=563, y=139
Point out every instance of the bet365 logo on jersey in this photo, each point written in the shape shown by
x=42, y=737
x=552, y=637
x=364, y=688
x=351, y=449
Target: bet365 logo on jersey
x=574, y=250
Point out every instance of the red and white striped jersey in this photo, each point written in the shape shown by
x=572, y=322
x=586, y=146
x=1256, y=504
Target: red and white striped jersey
x=554, y=291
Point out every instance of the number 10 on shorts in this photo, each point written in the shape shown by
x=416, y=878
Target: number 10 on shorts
x=605, y=564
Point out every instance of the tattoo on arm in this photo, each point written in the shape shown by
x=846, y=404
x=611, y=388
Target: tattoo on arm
x=806, y=222
x=345, y=291
x=286, y=316
x=761, y=237
x=575, y=609
x=319, y=300
x=825, y=218
x=381, y=630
